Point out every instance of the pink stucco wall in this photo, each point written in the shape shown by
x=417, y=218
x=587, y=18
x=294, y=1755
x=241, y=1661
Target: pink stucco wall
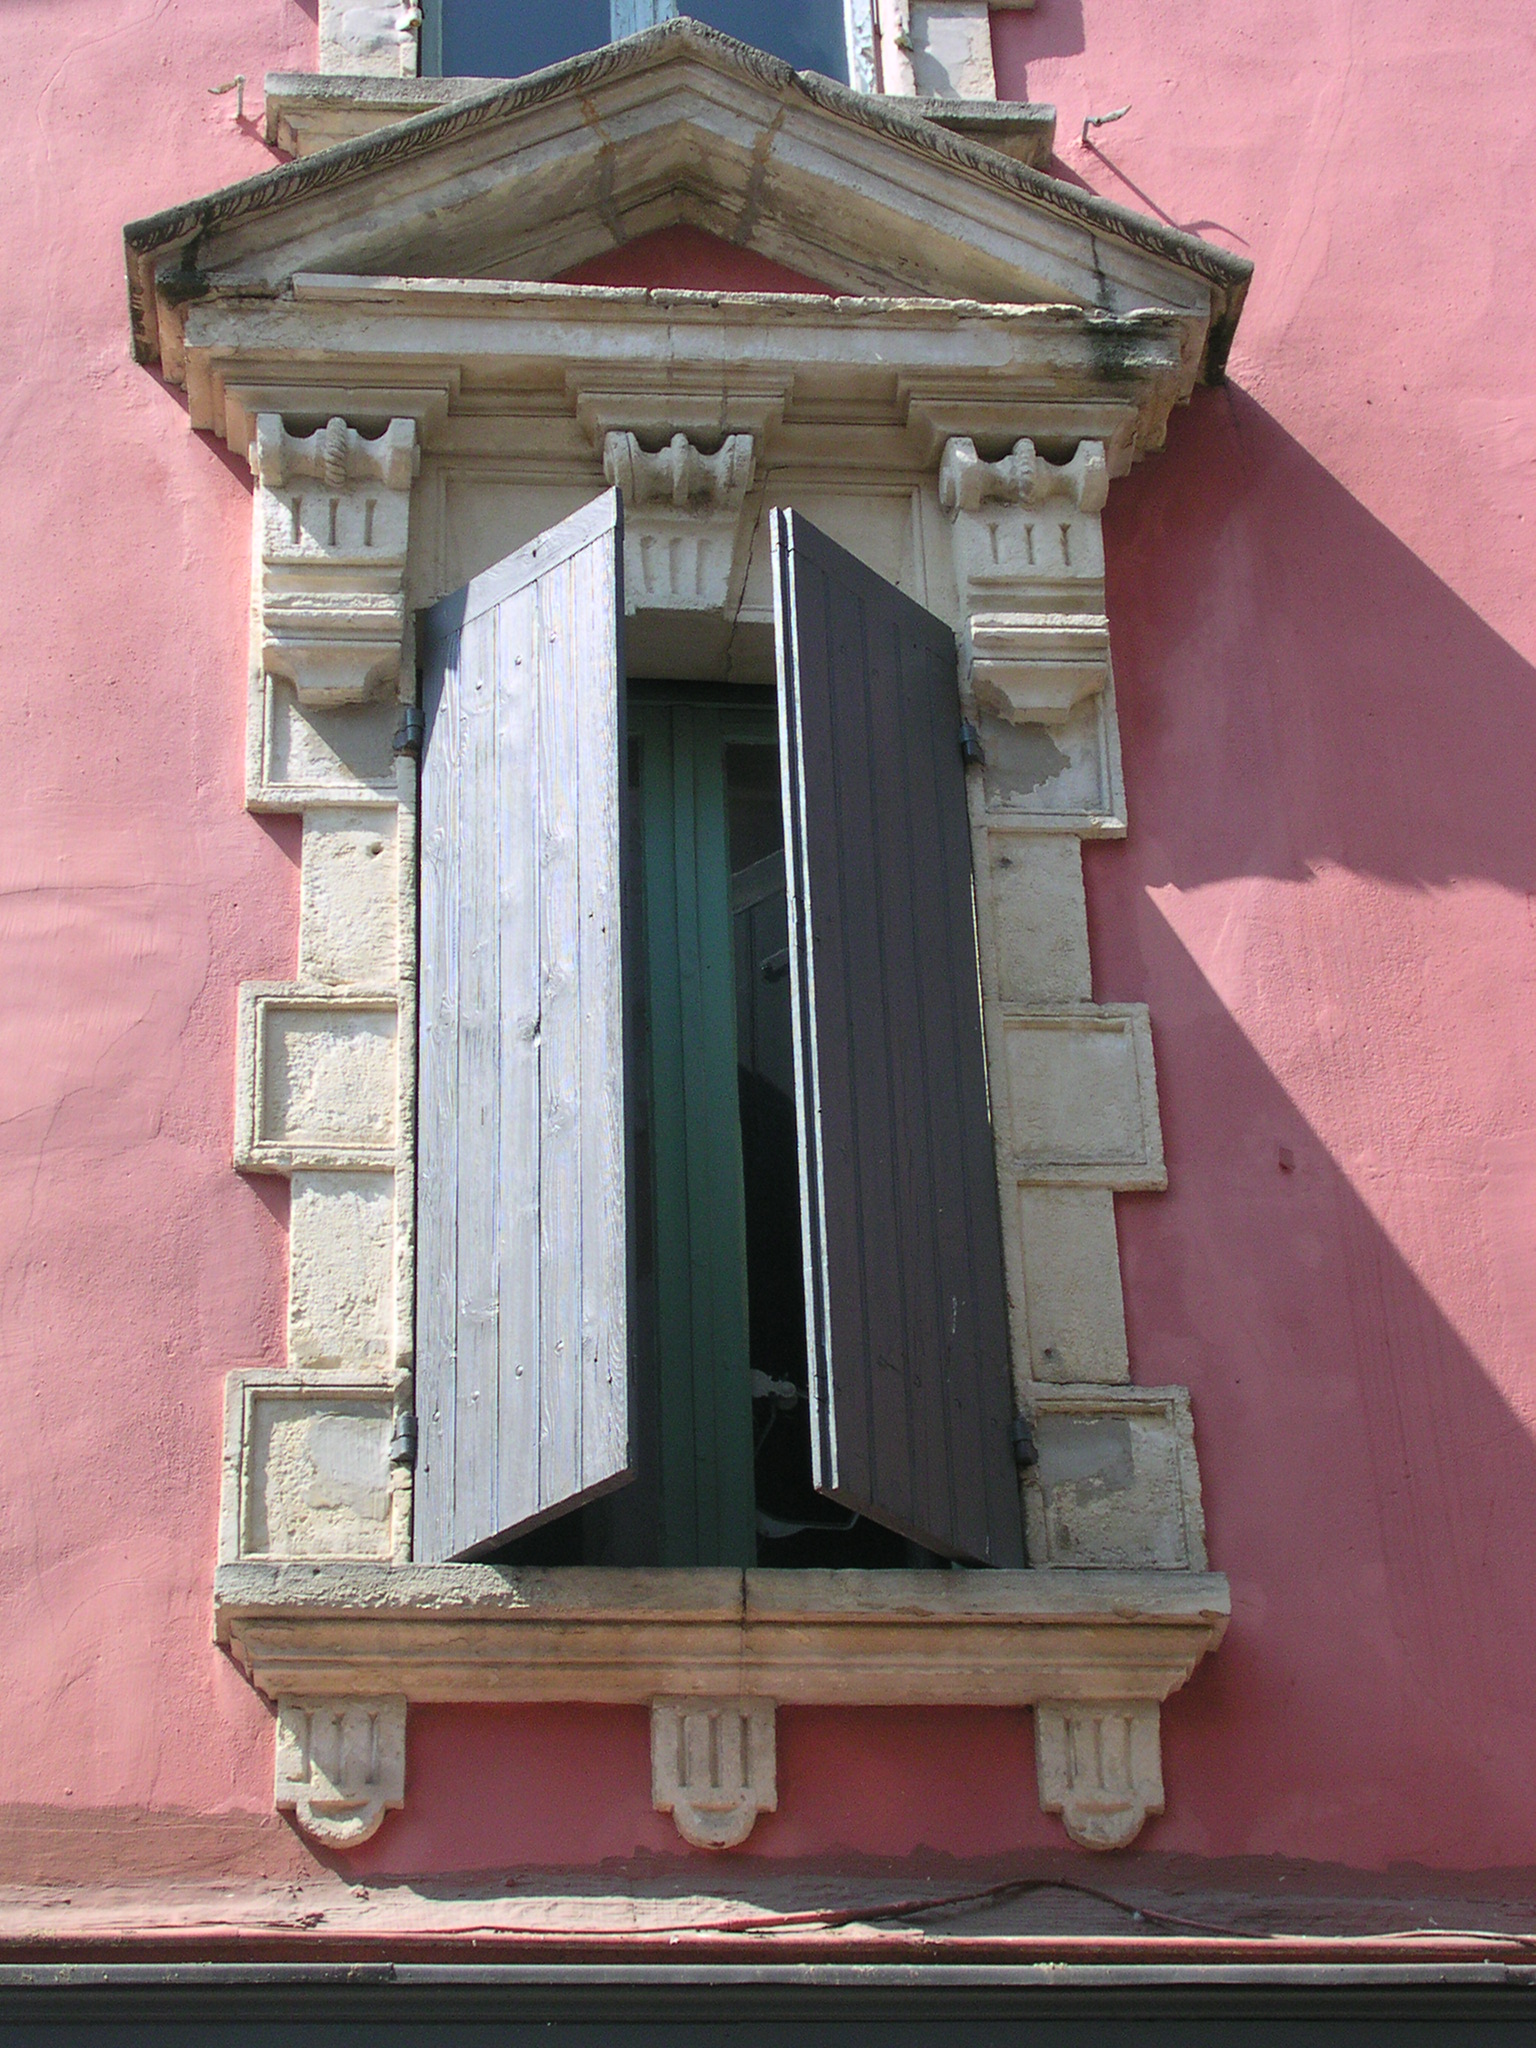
x=1322, y=622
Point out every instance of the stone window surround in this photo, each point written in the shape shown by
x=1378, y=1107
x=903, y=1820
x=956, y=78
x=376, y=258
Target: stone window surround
x=1119, y=1607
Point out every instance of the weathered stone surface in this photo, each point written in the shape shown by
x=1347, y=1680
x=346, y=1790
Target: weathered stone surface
x=349, y=900
x=373, y=37
x=951, y=49
x=318, y=1080
x=340, y=1766
x=1082, y=1097
x=862, y=1638
x=341, y=1240
x=1073, y=1312
x=1035, y=917
x=713, y=1767
x=1117, y=1483
x=1100, y=1768
x=307, y=1468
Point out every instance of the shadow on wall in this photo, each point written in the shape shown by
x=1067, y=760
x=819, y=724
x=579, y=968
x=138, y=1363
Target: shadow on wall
x=1303, y=701
x=1368, y=1490
x=1051, y=28
x=1296, y=687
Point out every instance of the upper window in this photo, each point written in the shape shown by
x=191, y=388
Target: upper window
x=509, y=38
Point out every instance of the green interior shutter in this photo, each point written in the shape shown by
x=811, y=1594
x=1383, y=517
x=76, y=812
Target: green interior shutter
x=702, y=1391
x=906, y=1303
x=522, y=1291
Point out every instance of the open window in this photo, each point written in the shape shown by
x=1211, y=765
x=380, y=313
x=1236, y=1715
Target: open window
x=510, y=38
x=721, y=1269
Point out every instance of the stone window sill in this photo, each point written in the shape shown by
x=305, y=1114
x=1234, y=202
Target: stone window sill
x=343, y=1648
x=876, y=1638
x=306, y=112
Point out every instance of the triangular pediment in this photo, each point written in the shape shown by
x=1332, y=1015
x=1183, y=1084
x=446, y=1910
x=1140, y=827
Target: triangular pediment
x=682, y=129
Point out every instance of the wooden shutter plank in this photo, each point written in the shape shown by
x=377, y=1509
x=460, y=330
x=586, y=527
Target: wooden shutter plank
x=559, y=1131
x=522, y=1370
x=603, y=753
x=479, y=1032
x=906, y=1302
x=519, y=1249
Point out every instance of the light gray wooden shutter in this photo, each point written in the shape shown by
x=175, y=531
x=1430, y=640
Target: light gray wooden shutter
x=521, y=1354
x=906, y=1306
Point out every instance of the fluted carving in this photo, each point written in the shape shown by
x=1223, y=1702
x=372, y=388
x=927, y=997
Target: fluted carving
x=334, y=516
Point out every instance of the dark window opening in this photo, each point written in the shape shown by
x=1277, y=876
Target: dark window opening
x=510, y=38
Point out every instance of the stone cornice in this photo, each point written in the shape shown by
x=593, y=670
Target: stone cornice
x=332, y=172
x=1059, y=372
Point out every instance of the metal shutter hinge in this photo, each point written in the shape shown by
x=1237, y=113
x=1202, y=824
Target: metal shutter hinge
x=411, y=730
x=402, y=1445
x=971, y=751
x=1025, y=1450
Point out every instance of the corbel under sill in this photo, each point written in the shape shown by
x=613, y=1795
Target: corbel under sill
x=801, y=1638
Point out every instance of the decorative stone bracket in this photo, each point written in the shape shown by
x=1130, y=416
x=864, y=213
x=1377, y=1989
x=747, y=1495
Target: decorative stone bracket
x=1029, y=563
x=682, y=516
x=1021, y=477
x=1100, y=1767
x=333, y=513
x=1035, y=670
x=713, y=1767
x=340, y=1765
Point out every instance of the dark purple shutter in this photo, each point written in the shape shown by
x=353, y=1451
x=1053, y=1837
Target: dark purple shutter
x=906, y=1304
x=521, y=1323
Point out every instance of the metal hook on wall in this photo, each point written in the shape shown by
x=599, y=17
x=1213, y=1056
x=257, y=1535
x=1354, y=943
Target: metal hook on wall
x=1103, y=121
x=237, y=86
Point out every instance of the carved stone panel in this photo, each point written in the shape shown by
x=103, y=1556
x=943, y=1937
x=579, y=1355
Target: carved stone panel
x=1082, y=1097
x=317, y=1080
x=307, y=1471
x=1117, y=1484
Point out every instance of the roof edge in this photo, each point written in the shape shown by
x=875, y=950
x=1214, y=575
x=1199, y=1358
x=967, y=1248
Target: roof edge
x=183, y=225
